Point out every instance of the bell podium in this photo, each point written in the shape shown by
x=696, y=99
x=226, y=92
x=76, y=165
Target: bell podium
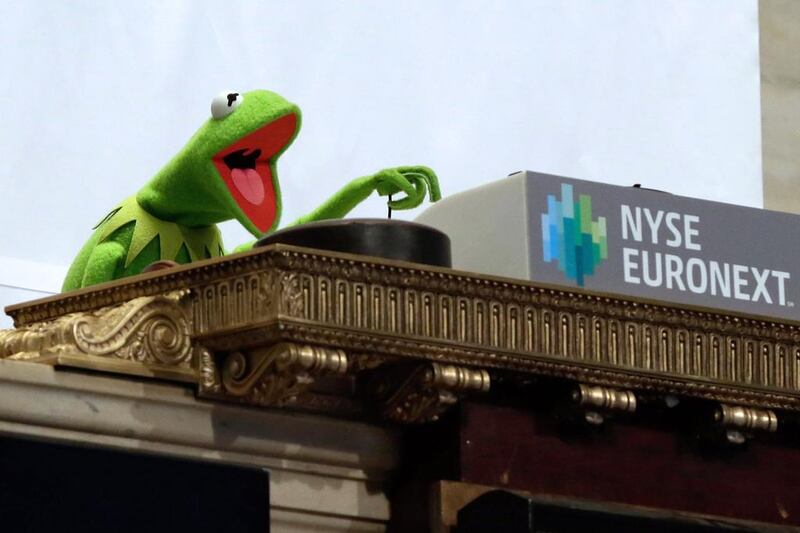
x=384, y=395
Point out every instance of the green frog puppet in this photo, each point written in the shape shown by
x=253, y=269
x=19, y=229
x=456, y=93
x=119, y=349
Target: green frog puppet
x=227, y=170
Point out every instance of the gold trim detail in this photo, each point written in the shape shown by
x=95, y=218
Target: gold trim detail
x=605, y=399
x=423, y=392
x=233, y=314
x=147, y=335
x=746, y=418
x=277, y=375
x=600, y=402
x=210, y=381
x=738, y=423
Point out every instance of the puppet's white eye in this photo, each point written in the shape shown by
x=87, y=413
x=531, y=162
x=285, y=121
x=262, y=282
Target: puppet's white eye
x=225, y=103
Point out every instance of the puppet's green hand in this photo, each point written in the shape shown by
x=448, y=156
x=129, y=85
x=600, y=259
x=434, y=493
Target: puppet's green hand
x=246, y=247
x=414, y=182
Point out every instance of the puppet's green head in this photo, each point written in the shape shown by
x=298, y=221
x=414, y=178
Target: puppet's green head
x=227, y=170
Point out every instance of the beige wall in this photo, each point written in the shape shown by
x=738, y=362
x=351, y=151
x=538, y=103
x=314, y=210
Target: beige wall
x=780, y=103
x=325, y=474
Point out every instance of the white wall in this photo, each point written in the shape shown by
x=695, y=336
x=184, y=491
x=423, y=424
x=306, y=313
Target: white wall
x=10, y=295
x=95, y=96
x=22, y=280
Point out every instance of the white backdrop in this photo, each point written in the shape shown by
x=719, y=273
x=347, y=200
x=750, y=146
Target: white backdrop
x=96, y=96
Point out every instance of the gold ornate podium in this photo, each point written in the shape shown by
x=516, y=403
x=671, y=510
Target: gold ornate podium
x=386, y=343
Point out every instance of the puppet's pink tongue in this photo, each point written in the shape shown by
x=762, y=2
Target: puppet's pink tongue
x=249, y=183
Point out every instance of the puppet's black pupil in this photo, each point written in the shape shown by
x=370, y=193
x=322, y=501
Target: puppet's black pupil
x=232, y=98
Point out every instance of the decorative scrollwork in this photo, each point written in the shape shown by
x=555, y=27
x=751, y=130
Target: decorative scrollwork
x=267, y=295
x=423, y=392
x=383, y=313
x=150, y=329
x=147, y=329
x=277, y=375
x=210, y=381
x=291, y=295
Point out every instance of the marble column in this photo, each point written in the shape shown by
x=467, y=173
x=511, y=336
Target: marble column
x=780, y=103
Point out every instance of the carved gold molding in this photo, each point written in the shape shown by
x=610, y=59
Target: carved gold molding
x=223, y=329
x=423, y=392
x=148, y=336
x=746, y=418
x=740, y=422
x=276, y=375
x=598, y=401
x=605, y=399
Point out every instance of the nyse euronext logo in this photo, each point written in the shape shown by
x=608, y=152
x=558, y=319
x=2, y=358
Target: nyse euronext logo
x=571, y=237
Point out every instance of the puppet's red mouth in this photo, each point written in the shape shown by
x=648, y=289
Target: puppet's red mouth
x=245, y=169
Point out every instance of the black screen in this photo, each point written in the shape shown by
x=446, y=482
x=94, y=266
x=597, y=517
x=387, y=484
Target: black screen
x=46, y=487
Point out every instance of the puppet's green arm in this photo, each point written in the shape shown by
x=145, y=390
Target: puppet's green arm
x=341, y=203
x=103, y=262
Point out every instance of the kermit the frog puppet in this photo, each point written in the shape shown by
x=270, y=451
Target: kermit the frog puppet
x=227, y=170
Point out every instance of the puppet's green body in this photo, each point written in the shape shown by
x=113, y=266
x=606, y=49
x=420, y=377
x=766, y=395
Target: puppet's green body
x=226, y=171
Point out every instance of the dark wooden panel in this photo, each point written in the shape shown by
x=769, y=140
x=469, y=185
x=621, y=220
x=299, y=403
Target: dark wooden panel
x=632, y=464
x=450, y=498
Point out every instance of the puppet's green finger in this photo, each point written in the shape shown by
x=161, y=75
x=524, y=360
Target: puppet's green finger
x=433, y=188
x=390, y=181
x=430, y=178
x=411, y=200
x=408, y=202
x=431, y=183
